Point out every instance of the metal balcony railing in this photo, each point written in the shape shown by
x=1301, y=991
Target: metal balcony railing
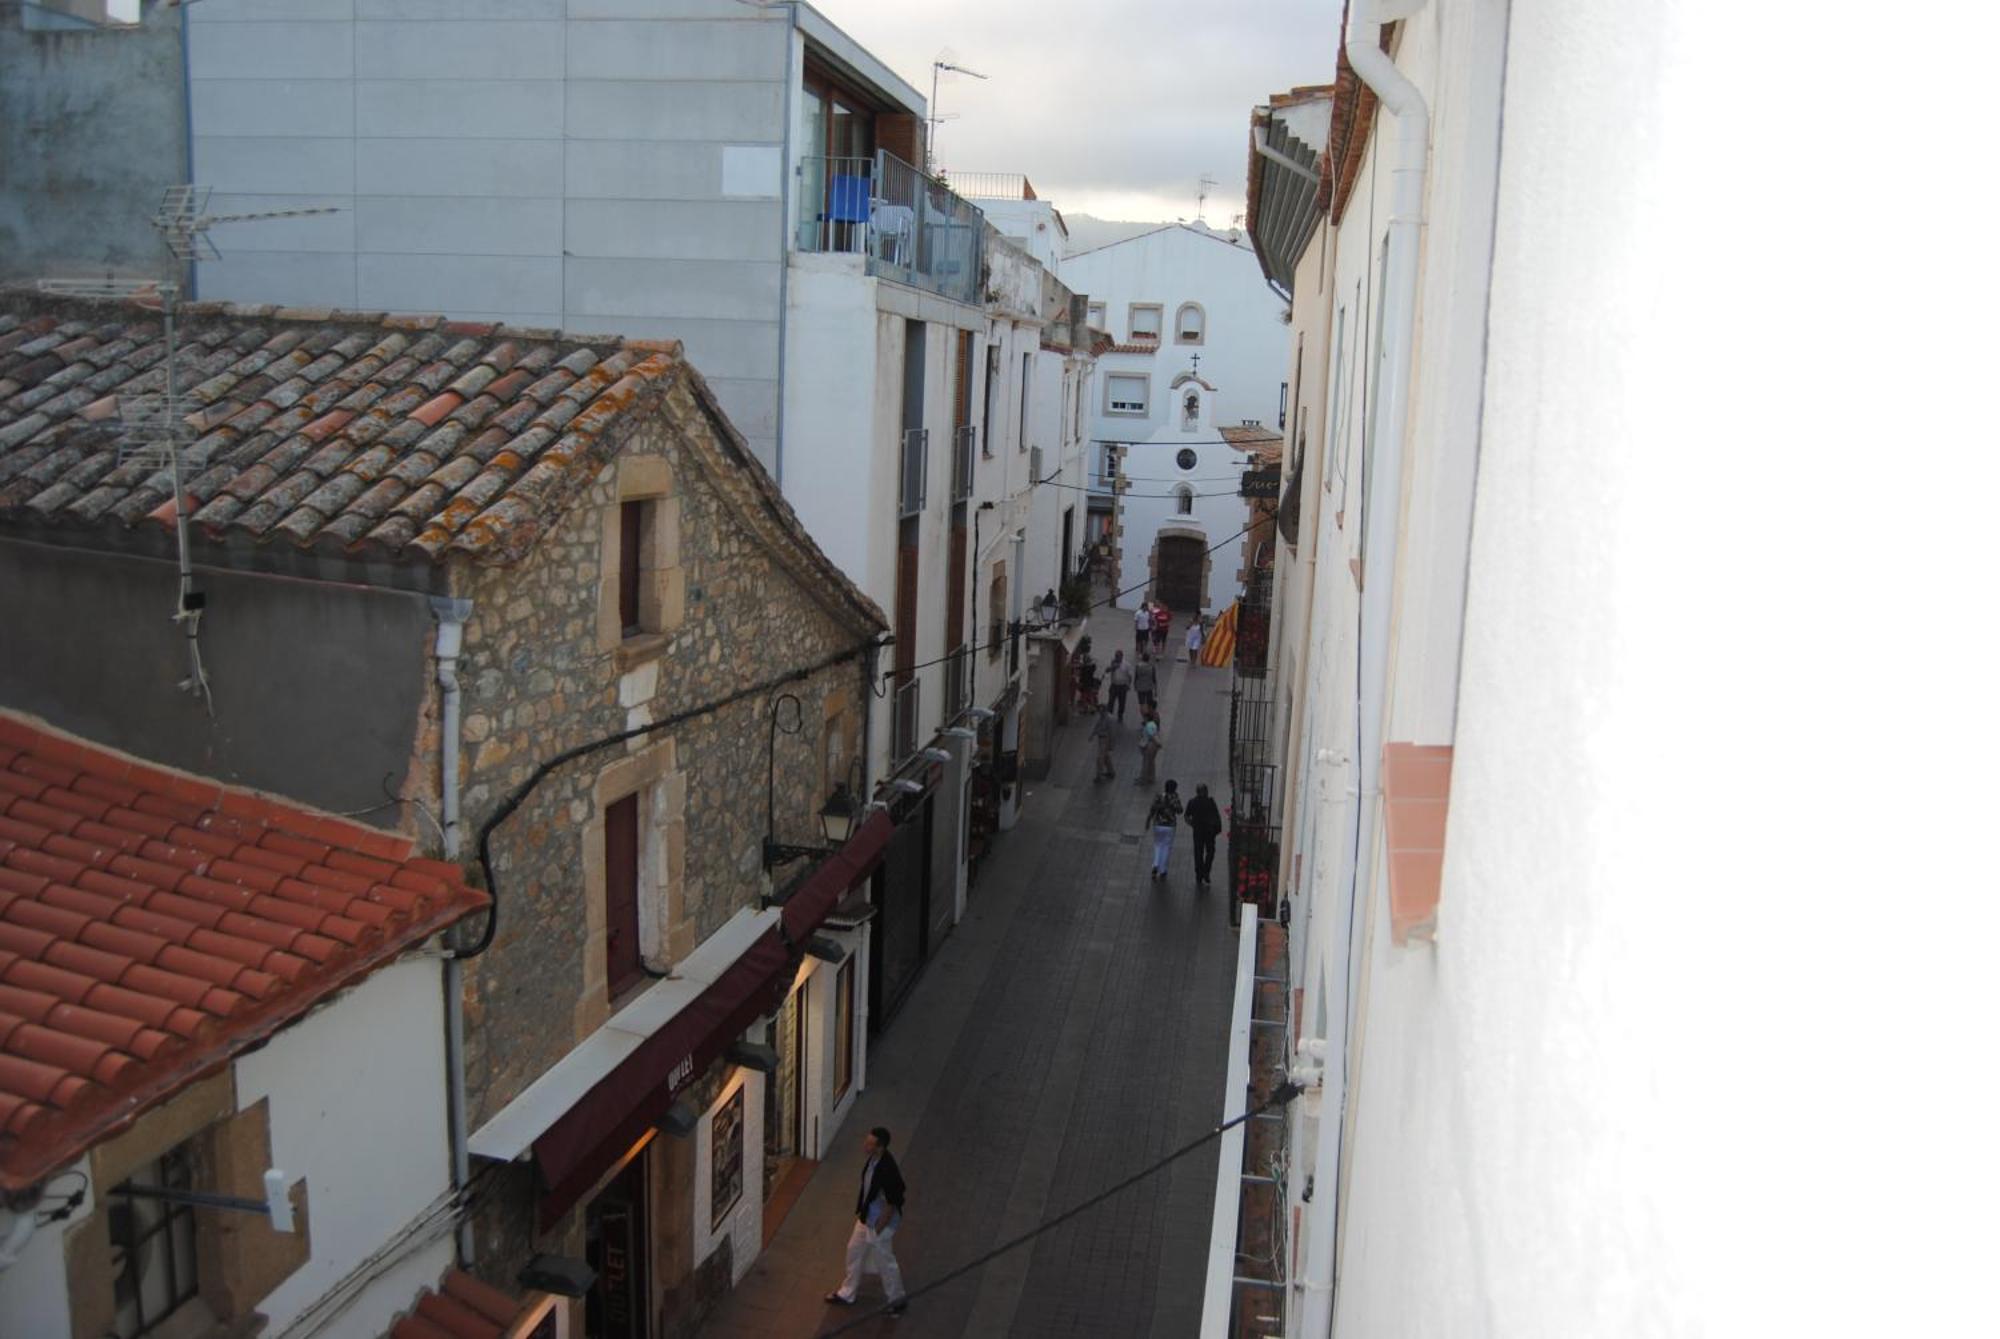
x=915, y=466
x=908, y=697
x=912, y=228
x=964, y=441
x=993, y=186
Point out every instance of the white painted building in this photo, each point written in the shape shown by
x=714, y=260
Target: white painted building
x=1182, y=518
x=138, y=1092
x=1618, y=1009
x=1168, y=297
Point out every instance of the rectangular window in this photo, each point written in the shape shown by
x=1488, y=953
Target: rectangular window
x=1125, y=394
x=992, y=390
x=1143, y=321
x=623, y=968
x=1096, y=316
x=1027, y=370
x=153, y=1242
x=634, y=520
x=843, y=1029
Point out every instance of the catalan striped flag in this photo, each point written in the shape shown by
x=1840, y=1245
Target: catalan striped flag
x=1220, y=645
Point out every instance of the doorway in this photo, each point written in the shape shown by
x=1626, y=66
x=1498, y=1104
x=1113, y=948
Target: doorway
x=788, y=1144
x=1180, y=564
x=615, y=1246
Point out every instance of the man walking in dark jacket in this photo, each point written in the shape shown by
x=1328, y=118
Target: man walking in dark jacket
x=878, y=1212
x=1204, y=820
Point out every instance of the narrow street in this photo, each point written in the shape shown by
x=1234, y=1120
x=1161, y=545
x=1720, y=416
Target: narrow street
x=1072, y=1030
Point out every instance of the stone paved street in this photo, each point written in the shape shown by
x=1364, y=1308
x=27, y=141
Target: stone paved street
x=1071, y=1030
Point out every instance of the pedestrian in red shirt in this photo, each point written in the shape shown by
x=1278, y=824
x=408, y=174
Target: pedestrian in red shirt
x=1163, y=619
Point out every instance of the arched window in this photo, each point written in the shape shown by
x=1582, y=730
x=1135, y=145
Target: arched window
x=1190, y=324
x=1184, y=500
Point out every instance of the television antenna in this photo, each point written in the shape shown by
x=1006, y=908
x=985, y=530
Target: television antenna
x=155, y=423
x=1201, y=198
x=939, y=66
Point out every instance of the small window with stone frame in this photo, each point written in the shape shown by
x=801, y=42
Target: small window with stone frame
x=638, y=520
x=154, y=1247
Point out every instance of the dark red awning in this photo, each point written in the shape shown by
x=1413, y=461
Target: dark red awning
x=588, y=1140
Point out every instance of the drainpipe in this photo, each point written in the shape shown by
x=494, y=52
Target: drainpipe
x=451, y=615
x=787, y=239
x=1398, y=96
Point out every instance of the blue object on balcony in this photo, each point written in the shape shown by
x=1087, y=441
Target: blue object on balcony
x=847, y=200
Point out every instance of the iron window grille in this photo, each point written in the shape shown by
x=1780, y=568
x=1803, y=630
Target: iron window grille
x=157, y=1271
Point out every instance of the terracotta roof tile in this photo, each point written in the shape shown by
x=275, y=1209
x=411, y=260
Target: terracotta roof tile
x=124, y=977
x=297, y=412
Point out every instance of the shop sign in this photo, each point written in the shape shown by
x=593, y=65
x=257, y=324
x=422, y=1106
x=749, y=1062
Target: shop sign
x=618, y=1276
x=1260, y=484
x=726, y=1188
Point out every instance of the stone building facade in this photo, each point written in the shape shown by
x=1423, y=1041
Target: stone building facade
x=362, y=490
x=546, y=669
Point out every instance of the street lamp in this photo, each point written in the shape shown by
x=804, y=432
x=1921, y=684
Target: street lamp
x=836, y=817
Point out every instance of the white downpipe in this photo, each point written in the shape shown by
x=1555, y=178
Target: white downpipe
x=1363, y=44
x=451, y=616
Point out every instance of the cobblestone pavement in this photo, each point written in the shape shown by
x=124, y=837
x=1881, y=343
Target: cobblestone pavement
x=1072, y=1029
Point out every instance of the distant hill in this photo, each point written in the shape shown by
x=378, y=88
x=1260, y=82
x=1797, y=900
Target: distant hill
x=1087, y=232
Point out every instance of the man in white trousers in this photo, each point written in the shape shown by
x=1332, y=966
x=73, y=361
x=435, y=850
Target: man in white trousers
x=878, y=1212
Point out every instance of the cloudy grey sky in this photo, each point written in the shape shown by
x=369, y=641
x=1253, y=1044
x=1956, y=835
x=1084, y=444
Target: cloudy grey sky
x=1115, y=108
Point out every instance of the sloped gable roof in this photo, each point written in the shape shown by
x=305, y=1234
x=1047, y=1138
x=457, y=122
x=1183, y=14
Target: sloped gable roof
x=405, y=437
x=155, y=924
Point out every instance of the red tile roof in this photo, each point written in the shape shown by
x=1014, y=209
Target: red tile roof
x=153, y=924
x=461, y=1308
x=413, y=437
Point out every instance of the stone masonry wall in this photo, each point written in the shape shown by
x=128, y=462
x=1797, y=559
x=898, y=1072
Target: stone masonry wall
x=541, y=675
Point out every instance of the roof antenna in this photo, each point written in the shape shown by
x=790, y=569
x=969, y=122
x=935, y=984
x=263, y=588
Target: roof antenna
x=1201, y=199
x=154, y=424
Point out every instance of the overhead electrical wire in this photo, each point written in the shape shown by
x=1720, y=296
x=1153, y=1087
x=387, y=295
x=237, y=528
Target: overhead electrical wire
x=1280, y=1096
x=1014, y=626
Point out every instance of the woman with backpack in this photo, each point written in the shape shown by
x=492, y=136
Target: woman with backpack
x=1149, y=746
x=1162, y=817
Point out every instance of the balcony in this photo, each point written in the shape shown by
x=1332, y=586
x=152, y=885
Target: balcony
x=963, y=439
x=912, y=229
x=903, y=741
x=915, y=468
x=993, y=186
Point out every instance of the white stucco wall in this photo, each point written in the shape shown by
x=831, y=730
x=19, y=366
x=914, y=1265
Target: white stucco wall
x=357, y=1098
x=1687, y=1057
x=1244, y=340
x=1153, y=473
x=34, y=1291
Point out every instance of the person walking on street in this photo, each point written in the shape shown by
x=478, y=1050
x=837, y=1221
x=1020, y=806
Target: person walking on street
x=1194, y=641
x=1146, y=680
x=1142, y=627
x=1163, y=618
x=878, y=1212
x=1104, y=734
x=1204, y=822
x=1149, y=749
x=1119, y=677
x=1162, y=816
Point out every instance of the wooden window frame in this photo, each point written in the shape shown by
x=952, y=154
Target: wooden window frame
x=624, y=953
x=844, y=1021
